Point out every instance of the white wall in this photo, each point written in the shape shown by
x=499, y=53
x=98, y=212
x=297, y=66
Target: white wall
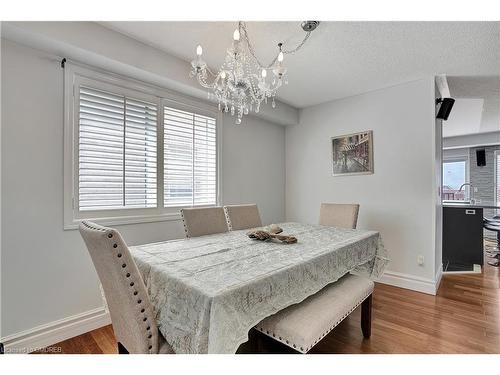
x=253, y=166
x=94, y=44
x=472, y=140
x=399, y=198
x=46, y=272
x=438, y=180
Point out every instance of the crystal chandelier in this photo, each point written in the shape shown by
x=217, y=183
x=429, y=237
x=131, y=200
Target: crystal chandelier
x=242, y=82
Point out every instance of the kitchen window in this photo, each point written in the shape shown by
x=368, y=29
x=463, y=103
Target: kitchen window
x=134, y=152
x=455, y=174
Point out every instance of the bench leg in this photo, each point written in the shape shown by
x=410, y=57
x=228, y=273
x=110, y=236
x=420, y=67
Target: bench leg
x=122, y=349
x=366, y=317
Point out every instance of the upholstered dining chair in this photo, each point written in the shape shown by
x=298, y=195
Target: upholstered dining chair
x=242, y=216
x=128, y=302
x=203, y=221
x=339, y=215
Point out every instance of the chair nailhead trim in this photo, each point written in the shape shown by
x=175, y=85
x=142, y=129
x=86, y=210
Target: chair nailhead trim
x=184, y=224
x=139, y=301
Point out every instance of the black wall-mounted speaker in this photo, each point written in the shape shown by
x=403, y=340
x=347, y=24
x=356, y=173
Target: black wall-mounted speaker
x=481, y=158
x=445, y=108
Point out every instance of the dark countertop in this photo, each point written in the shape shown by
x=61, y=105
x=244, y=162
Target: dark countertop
x=490, y=205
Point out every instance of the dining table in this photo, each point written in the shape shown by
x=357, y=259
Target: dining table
x=209, y=291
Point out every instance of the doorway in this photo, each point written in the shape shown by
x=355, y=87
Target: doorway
x=470, y=166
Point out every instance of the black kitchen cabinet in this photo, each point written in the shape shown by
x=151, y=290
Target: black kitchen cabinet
x=462, y=238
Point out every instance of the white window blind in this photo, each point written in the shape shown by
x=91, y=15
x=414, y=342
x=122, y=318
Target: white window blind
x=117, y=151
x=190, y=159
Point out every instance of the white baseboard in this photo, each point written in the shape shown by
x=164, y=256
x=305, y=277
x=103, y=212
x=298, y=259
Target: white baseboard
x=54, y=332
x=439, y=276
x=419, y=284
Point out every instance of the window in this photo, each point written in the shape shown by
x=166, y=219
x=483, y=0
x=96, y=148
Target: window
x=116, y=151
x=455, y=174
x=189, y=159
x=134, y=152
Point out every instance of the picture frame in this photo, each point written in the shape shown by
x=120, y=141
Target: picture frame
x=352, y=154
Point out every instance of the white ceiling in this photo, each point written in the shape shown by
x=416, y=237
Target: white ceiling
x=477, y=106
x=341, y=58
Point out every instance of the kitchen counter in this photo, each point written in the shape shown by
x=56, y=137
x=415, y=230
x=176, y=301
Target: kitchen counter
x=490, y=205
x=462, y=237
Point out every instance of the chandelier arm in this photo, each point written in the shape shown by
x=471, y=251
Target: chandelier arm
x=243, y=30
x=204, y=83
x=242, y=26
x=212, y=73
x=308, y=34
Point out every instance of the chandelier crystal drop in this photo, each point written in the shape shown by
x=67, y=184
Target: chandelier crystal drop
x=242, y=82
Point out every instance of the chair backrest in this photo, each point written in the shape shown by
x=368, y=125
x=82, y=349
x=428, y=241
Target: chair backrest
x=339, y=215
x=128, y=302
x=242, y=216
x=203, y=221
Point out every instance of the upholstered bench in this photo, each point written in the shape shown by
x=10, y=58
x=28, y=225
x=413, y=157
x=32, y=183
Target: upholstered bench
x=303, y=325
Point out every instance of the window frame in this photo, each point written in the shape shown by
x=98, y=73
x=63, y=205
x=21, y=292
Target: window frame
x=454, y=159
x=76, y=75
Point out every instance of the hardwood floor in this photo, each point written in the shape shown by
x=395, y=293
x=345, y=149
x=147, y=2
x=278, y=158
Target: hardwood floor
x=463, y=318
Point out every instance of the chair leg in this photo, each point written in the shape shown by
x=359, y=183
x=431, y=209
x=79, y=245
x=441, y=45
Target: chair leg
x=122, y=349
x=253, y=337
x=366, y=317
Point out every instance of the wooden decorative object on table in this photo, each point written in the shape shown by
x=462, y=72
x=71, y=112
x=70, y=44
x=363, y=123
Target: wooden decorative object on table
x=271, y=232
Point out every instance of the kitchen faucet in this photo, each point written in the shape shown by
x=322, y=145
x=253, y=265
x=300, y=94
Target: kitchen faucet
x=471, y=191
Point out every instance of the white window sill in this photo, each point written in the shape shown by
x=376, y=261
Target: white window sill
x=125, y=220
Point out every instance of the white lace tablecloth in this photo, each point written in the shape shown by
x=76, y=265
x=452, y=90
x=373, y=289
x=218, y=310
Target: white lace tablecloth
x=209, y=291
